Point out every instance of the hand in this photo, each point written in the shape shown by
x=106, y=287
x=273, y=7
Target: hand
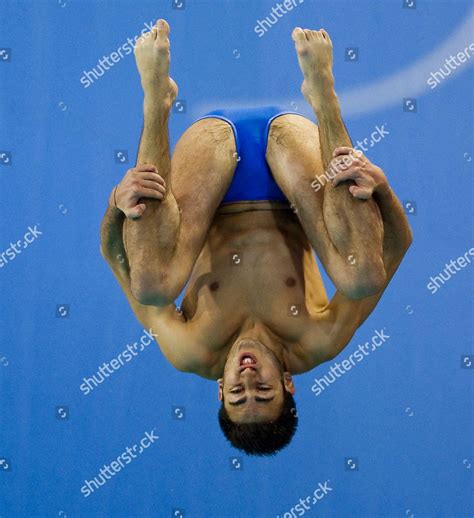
x=142, y=181
x=351, y=164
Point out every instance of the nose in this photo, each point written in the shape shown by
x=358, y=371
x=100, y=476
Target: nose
x=249, y=378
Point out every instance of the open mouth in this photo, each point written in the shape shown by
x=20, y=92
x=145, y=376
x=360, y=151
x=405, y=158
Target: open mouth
x=247, y=361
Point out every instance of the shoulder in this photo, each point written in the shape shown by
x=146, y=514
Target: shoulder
x=183, y=343
x=306, y=356
x=318, y=341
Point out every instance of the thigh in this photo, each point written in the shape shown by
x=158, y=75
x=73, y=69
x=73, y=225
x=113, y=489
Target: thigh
x=346, y=233
x=202, y=167
x=294, y=157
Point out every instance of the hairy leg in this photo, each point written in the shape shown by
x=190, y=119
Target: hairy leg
x=163, y=244
x=346, y=232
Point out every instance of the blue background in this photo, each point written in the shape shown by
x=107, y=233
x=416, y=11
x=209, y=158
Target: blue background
x=404, y=415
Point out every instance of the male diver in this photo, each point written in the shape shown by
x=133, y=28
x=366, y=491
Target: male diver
x=234, y=217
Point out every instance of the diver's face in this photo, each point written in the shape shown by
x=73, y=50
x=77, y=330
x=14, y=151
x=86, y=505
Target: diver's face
x=253, y=383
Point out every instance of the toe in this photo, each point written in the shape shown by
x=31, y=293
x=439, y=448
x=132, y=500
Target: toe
x=326, y=35
x=162, y=32
x=308, y=34
x=162, y=27
x=298, y=34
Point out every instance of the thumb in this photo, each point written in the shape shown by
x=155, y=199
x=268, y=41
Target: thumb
x=359, y=192
x=137, y=211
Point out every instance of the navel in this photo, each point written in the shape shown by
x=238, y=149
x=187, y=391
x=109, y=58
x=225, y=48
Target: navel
x=290, y=282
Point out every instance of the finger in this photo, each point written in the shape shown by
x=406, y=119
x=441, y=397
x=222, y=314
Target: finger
x=359, y=192
x=155, y=177
x=143, y=192
x=350, y=153
x=349, y=174
x=149, y=184
x=346, y=150
x=343, y=150
x=146, y=167
x=137, y=211
x=342, y=162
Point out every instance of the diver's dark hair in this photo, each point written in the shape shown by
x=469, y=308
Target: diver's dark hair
x=265, y=438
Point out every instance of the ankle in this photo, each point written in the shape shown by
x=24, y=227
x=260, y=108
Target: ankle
x=157, y=105
x=325, y=106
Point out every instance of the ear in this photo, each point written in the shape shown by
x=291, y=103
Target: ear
x=288, y=383
x=220, y=384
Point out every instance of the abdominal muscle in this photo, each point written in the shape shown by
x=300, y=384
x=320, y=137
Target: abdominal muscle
x=255, y=265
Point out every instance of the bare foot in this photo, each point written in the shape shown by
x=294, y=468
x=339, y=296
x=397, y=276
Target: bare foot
x=152, y=54
x=314, y=50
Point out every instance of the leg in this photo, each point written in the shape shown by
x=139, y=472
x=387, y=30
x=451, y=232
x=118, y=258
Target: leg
x=202, y=167
x=162, y=246
x=346, y=233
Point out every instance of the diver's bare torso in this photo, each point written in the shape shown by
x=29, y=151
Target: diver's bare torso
x=256, y=265
x=251, y=274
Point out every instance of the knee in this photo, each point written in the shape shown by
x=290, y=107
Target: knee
x=153, y=289
x=363, y=282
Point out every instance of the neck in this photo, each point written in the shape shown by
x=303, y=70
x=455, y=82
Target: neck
x=256, y=330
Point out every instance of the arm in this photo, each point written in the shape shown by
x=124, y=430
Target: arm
x=331, y=330
x=177, y=338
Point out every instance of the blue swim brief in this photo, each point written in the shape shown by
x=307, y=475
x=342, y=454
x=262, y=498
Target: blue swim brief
x=253, y=180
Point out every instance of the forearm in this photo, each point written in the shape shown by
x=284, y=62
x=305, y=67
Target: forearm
x=397, y=232
x=111, y=237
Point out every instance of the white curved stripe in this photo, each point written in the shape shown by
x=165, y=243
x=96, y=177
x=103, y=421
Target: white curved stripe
x=409, y=82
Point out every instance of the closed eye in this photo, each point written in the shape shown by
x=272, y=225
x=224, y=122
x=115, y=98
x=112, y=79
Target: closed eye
x=257, y=399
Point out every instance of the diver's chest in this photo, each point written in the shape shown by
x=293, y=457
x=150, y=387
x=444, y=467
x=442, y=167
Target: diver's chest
x=245, y=284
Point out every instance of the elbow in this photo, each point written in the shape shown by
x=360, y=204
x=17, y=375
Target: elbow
x=108, y=257
x=364, y=283
x=362, y=290
x=409, y=239
x=156, y=290
x=105, y=255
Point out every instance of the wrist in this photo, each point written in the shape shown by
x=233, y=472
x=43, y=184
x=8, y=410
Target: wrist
x=382, y=188
x=113, y=198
